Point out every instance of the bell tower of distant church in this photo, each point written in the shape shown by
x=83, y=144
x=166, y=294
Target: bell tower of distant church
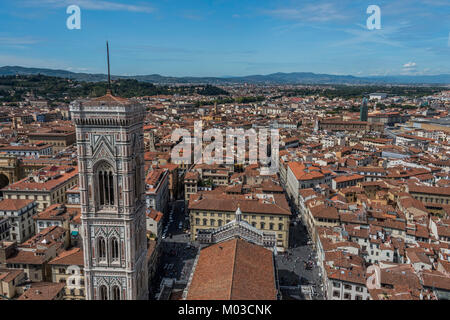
x=109, y=133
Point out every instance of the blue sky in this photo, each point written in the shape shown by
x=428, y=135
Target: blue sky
x=228, y=37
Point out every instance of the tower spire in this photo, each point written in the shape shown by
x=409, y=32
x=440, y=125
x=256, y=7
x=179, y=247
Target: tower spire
x=238, y=212
x=109, y=73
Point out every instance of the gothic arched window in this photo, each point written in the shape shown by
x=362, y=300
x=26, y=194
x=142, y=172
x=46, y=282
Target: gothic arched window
x=114, y=249
x=116, y=293
x=137, y=172
x=105, y=182
x=101, y=247
x=103, y=293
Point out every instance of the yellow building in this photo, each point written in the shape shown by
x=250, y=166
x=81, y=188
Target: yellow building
x=10, y=169
x=265, y=212
x=47, y=186
x=67, y=268
x=320, y=215
x=191, y=180
x=10, y=282
x=59, y=139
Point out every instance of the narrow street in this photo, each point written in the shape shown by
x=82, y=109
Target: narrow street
x=178, y=254
x=293, y=269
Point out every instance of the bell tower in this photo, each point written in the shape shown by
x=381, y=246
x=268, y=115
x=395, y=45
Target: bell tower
x=109, y=133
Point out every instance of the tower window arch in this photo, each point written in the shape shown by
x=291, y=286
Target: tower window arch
x=103, y=292
x=114, y=249
x=101, y=247
x=136, y=178
x=105, y=184
x=116, y=293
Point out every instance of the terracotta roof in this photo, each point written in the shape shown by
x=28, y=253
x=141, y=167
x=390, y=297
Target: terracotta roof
x=234, y=270
x=354, y=276
x=154, y=214
x=307, y=192
x=435, y=279
x=417, y=256
x=70, y=257
x=400, y=275
x=58, y=212
x=191, y=175
x=428, y=190
x=153, y=180
x=109, y=98
x=14, y=204
x=25, y=147
x=348, y=178
x=302, y=172
x=42, y=291
x=8, y=275
x=322, y=211
x=229, y=203
x=46, y=238
x=26, y=257
x=396, y=293
x=52, y=178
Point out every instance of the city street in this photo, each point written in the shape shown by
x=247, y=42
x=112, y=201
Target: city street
x=292, y=266
x=178, y=254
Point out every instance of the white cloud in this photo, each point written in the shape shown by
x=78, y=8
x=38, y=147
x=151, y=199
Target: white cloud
x=315, y=13
x=17, y=41
x=410, y=65
x=410, y=68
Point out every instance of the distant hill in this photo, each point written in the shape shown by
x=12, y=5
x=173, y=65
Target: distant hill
x=275, y=78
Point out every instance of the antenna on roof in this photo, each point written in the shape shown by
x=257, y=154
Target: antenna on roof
x=109, y=73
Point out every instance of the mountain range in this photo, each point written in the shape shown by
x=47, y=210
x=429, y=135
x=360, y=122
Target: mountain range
x=274, y=78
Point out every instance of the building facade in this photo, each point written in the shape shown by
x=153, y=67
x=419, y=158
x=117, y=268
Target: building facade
x=109, y=132
x=157, y=190
x=268, y=216
x=46, y=186
x=20, y=213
